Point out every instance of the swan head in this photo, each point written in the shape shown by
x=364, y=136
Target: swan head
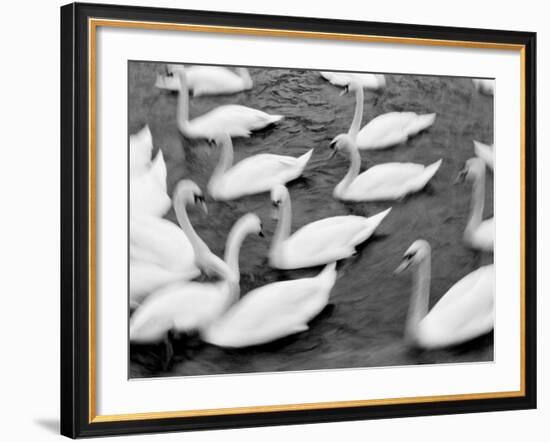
x=188, y=192
x=352, y=85
x=278, y=194
x=250, y=223
x=172, y=69
x=415, y=254
x=342, y=142
x=473, y=169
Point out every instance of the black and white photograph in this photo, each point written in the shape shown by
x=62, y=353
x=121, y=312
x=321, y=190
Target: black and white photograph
x=287, y=219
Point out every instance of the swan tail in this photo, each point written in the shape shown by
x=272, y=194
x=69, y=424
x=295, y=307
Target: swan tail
x=381, y=78
x=420, y=123
x=272, y=119
x=303, y=159
x=375, y=220
x=329, y=272
x=158, y=168
x=430, y=171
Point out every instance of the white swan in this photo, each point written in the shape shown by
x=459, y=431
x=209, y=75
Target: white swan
x=464, y=312
x=273, y=311
x=385, y=130
x=254, y=174
x=383, y=182
x=367, y=81
x=192, y=306
x=479, y=234
x=485, y=152
x=317, y=243
x=484, y=86
x=206, y=80
x=141, y=148
x=236, y=120
x=148, y=189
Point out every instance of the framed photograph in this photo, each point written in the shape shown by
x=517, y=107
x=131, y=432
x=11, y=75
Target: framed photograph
x=276, y=220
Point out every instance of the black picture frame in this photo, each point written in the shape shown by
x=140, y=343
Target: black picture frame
x=75, y=219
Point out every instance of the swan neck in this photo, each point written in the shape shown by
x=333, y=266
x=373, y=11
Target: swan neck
x=477, y=203
x=199, y=246
x=353, y=171
x=282, y=231
x=358, y=115
x=225, y=160
x=420, y=298
x=182, y=113
x=233, y=246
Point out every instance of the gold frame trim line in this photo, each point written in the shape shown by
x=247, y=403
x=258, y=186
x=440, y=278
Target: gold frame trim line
x=93, y=24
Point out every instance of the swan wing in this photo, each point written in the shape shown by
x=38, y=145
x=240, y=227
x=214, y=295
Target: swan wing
x=483, y=237
x=141, y=148
x=236, y=120
x=463, y=313
x=163, y=242
x=326, y=240
x=146, y=277
x=184, y=306
x=269, y=313
x=384, y=181
x=258, y=173
x=211, y=80
x=147, y=196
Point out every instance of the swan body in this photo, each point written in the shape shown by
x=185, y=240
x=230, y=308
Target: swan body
x=367, y=81
x=320, y=242
x=383, y=182
x=485, y=152
x=254, y=174
x=392, y=128
x=273, y=311
x=484, y=86
x=479, y=234
x=234, y=119
x=464, y=312
x=385, y=130
x=192, y=306
x=148, y=190
x=207, y=80
x=141, y=149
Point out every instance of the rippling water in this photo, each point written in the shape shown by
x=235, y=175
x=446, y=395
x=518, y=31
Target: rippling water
x=363, y=325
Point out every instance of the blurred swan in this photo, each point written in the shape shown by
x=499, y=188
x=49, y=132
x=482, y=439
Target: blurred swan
x=236, y=120
x=141, y=149
x=479, y=234
x=320, y=242
x=383, y=182
x=273, y=311
x=148, y=189
x=254, y=174
x=484, y=86
x=206, y=80
x=192, y=306
x=464, y=312
x=385, y=130
x=485, y=152
x=367, y=81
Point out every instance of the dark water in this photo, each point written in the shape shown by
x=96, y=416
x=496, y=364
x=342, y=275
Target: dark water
x=363, y=325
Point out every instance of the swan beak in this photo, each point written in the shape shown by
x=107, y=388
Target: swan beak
x=461, y=176
x=332, y=154
x=203, y=207
x=275, y=213
x=403, y=266
x=344, y=91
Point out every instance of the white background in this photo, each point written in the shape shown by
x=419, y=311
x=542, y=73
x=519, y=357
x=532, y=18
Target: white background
x=29, y=239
